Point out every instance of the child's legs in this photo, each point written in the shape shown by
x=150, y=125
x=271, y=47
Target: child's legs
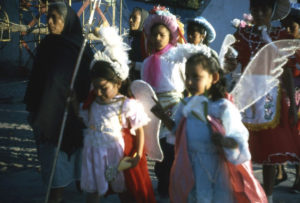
x=92, y=198
x=56, y=195
x=162, y=169
x=269, y=173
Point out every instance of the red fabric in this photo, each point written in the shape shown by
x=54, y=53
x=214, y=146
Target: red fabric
x=87, y=103
x=242, y=45
x=181, y=177
x=276, y=145
x=137, y=179
x=245, y=186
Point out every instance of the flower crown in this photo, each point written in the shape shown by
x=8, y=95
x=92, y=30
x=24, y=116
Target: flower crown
x=247, y=20
x=160, y=14
x=115, y=51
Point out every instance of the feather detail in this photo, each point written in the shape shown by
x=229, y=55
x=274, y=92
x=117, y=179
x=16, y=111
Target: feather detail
x=115, y=51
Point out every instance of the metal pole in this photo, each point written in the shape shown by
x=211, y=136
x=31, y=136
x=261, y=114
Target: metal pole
x=113, y=12
x=39, y=22
x=20, y=36
x=121, y=15
x=69, y=98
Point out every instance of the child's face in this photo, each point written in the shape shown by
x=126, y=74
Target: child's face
x=160, y=37
x=105, y=90
x=198, y=80
x=195, y=37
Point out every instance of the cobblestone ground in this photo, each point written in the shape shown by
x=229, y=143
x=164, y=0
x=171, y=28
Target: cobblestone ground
x=20, y=180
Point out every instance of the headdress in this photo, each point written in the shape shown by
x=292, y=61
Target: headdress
x=281, y=9
x=210, y=31
x=162, y=15
x=182, y=52
x=115, y=51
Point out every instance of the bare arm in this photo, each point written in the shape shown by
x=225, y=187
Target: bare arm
x=139, y=146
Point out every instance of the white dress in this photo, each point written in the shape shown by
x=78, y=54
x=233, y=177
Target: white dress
x=104, y=144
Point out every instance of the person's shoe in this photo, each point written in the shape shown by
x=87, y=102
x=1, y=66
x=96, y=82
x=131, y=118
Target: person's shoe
x=284, y=178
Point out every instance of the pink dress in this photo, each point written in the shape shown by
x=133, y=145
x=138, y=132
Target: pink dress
x=104, y=143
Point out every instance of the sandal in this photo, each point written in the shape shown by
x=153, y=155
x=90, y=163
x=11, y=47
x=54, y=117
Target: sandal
x=279, y=180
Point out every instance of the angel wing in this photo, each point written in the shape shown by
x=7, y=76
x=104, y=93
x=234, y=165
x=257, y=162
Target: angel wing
x=228, y=41
x=143, y=92
x=262, y=73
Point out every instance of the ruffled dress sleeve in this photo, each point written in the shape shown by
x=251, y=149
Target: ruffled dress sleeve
x=133, y=115
x=234, y=128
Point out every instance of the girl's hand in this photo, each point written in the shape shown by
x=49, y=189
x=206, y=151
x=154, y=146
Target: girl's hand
x=221, y=141
x=134, y=160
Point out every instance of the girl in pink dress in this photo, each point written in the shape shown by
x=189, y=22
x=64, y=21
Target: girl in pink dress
x=112, y=119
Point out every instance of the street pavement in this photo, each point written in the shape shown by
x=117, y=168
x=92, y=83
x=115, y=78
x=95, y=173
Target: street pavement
x=20, y=180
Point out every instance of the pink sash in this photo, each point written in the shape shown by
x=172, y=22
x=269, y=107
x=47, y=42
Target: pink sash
x=152, y=70
x=182, y=176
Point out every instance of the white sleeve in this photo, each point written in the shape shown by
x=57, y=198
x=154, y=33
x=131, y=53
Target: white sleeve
x=234, y=128
x=133, y=111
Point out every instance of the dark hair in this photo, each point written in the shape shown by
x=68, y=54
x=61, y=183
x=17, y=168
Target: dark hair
x=196, y=27
x=211, y=65
x=262, y=3
x=103, y=69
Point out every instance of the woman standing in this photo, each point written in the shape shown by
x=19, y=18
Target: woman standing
x=47, y=92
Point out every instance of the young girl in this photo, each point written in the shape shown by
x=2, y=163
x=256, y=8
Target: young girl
x=111, y=120
x=198, y=173
x=166, y=78
x=200, y=31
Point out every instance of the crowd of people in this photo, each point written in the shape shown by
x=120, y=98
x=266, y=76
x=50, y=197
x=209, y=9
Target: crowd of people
x=208, y=145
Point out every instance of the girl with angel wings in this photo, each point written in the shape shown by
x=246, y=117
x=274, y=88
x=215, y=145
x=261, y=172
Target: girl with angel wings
x=114, y=154
x=272, y=124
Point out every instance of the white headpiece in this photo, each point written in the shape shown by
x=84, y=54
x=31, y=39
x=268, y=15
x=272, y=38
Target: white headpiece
x=115, y=51
x=182, y=52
